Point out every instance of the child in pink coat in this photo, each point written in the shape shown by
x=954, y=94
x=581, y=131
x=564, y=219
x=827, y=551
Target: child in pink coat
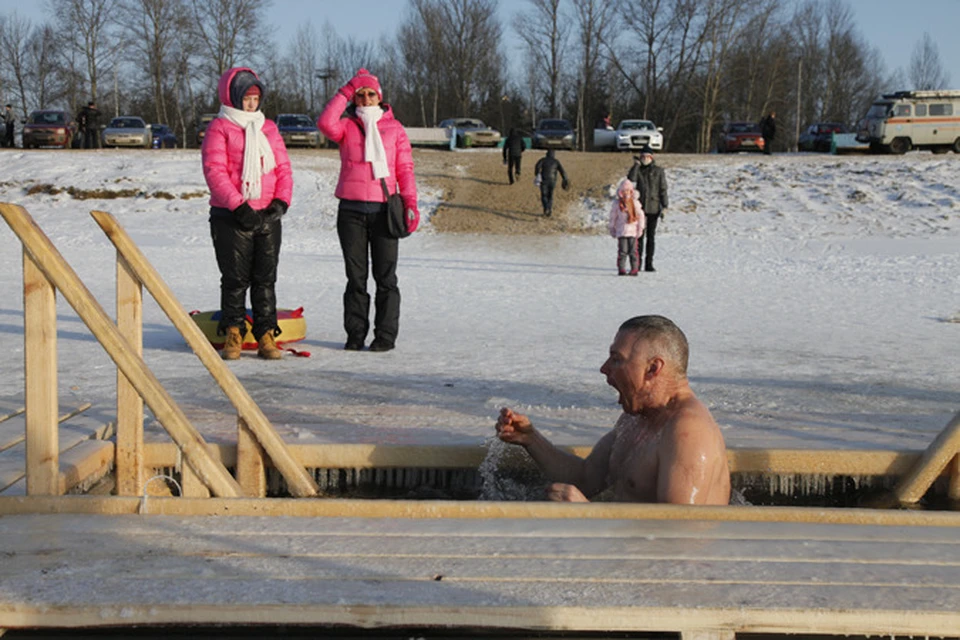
x=247, y=169
x=627, y=224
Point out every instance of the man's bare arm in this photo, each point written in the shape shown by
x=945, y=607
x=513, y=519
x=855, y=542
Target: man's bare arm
x=690, y=462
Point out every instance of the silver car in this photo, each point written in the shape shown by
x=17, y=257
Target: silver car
x=127, y=131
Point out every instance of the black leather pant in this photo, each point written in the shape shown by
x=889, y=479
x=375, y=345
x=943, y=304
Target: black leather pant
x=546, y=196
x=651, y=239
x=364, y=239
x=513, y=166
x=247, y=260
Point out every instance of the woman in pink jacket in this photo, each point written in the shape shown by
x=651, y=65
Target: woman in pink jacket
x=627, y=224
x=248, y=172
x=374, y=156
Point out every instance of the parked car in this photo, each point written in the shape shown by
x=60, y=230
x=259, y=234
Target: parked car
x=49, y=128
x=163, y=137
x=471, y=132
x=819, y=136
x=740, y=136
x=630, y=135
x=205, y=120
x=127, y=131
x=298, y=129
x=554, y=134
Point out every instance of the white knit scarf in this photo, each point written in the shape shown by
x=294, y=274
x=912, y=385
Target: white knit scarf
x=373, y=151
x=257, y=154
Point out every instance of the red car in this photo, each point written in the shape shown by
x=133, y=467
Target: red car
x=740, y=136
x=49, y=128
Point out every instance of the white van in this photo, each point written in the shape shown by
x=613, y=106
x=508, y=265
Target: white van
x=905, y=120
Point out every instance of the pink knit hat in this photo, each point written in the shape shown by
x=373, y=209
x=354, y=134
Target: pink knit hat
x=366, y=79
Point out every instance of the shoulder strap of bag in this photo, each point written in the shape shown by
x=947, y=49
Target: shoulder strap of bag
x=386, y=192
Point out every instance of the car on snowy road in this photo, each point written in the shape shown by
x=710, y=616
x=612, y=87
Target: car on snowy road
x=740, y=136
x=471, y=132
x=819, y=136
x=127, y=131
x=299, y=130
x=49, y=128
x=630, y=135
x=554, y=133
x=163, y=137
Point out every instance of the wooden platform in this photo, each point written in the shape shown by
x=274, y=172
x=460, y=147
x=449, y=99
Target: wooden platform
x=699, y=578
x=84, y=453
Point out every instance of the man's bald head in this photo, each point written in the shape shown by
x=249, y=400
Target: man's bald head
x=664, y=337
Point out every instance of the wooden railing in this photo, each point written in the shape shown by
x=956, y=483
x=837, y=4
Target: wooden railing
x=45, y=271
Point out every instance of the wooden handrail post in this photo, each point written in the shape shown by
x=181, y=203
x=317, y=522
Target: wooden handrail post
x=937, y=456
x=40, y=375
x=953, y=488
x=129, y=456
x=300, y=483
x=65, y=279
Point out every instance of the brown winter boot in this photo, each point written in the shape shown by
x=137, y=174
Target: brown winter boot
x=267, y=348
x=233, y=344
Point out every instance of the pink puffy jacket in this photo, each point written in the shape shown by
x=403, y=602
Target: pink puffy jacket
x=356, y=174
x=222, y=156
x=618, y=225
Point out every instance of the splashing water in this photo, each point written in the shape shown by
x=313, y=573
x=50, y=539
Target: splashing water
x=509, y=473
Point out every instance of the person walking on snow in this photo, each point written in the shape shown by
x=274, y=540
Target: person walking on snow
x=546, y=171
x=9, y=121
x=651, y=182
x=512, y=152
x=768, y=129
x=627, y=223
x=375, y=158
x=247, y=169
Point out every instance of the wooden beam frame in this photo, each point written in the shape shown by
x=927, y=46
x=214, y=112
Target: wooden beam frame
x=299, y=481
x=57, y=271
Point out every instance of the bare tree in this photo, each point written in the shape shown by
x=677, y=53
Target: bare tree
x=926, y=72
x=155, y=25
x=14, y=40
x=228, y=31
x=86, y=27
x=595, y=24
x=45, y=75
x=304, y=63
x=545, y=33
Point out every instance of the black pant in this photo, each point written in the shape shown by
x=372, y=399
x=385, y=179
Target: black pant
x=8, y=137
x=767, y=143
x=651, y=239
x=247, y=260
x=90, y=139
x=363, y=236
x=513, y=166
x=546, y=196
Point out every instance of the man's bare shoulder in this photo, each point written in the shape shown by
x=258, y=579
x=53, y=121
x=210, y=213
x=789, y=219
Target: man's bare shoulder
x=693, y=420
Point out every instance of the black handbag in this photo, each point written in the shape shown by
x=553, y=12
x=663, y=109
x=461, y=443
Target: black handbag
x=396, y=218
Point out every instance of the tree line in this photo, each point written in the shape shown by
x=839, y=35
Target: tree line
x=688, y=65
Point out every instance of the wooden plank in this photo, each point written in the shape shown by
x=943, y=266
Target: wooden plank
x=40, y=374
x=251, y=463
x=10, y=408
x=130, y=469
x=935, y=459
x=298, y=480
x=566, y=575
x=953, y=490
x=13, y=430
x=90, y=459
x=293, y=507
x=191, y=485
x=56, y=270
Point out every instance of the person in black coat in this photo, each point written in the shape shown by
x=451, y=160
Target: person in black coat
x=9, y=121
x=651, y=182
x=512, y=152
x=89, y=122
x=768, y=129
x=547, y=169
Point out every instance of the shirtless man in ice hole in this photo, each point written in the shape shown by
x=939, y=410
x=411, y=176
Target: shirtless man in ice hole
x=665, y=446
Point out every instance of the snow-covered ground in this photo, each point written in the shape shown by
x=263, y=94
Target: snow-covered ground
x=820, y=295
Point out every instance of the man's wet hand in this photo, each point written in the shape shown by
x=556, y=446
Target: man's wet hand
x=559, y=492
x=513, y=428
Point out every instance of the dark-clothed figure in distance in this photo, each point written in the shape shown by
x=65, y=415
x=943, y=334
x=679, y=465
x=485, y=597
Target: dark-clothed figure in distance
x=651, y=182
x=375, y=156
x=512, y=153
x=547, y=168
x=247, y=169
x=665, y=447
x=89, y=123
x=768, y=129
x=9, y=121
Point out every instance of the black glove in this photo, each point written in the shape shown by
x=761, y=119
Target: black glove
x=565, y=184
x=273, y=211
x=246, y=217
